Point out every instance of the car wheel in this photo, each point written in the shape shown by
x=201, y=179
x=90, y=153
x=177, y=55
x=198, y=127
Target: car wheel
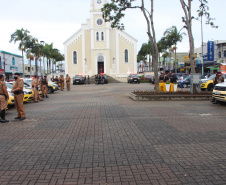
x=50, y=90
x=210, y=87
x=185, y=85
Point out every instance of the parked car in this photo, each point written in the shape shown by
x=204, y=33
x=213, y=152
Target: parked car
x=28, y=94
x=207, y=84
x=187, y=82
x=219, y=93
x=78, y=79
x=133, y=78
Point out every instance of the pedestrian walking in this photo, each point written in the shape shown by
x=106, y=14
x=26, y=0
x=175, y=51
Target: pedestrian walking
x=4, y=96
x=68, y=82
x=18, y=96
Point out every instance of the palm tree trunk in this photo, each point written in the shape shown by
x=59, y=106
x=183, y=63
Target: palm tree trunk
x=30, y=67
x=175, y=58
x=23, y=62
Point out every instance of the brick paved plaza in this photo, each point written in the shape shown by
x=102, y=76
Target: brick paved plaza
x=96, y=134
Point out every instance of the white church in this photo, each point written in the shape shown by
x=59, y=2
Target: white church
x=97, y=48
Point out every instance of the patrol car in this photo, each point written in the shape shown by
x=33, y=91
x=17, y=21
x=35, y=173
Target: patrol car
x=133, y=78
x=78, y=79
x=219, y=93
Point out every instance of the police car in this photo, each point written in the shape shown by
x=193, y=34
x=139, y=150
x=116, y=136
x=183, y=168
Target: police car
x=219, y=93
x=133, y=78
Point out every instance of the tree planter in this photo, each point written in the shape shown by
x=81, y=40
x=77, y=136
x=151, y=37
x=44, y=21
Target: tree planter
x=167, y=87
x=175, y=87
x=169, y=96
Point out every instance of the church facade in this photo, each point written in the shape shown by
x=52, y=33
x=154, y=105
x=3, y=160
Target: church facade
x=97, y=48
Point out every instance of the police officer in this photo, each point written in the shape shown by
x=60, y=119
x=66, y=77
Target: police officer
x=35, y=84
x=18, y=96
x=61, y=82
x=88, y=79
x=56, y=80
x=4, y=96
x=45, y=87
x=68, y=82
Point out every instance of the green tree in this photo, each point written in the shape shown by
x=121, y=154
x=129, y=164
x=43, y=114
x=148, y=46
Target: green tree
x=174, y=36
x=146, y=49
x=187, y=19
x=113, y=12
x=21, y=36
x=47, y=50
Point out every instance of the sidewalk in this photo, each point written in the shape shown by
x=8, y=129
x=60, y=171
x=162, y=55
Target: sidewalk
x=96, y=134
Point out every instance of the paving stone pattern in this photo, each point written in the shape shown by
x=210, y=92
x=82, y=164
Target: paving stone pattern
x=96, y=134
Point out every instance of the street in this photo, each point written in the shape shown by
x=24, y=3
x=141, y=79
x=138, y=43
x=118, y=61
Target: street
x=96, y=134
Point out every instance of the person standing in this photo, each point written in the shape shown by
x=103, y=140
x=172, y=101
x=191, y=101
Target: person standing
x=45, y=87
x=34, y=85
x=18, y=96
x=68, y=82
x=61, y=83
x=62, y=80
x=216, y=79
x=181, y=80
x=4, y=96
x=88, y=79
x=57, y=80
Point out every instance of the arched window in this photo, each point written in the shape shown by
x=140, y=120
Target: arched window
x=97, y=36
x=102, y=35
x=126, y=56
x=75, y=59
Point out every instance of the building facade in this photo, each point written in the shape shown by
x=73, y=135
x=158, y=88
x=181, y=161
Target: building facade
x=10, y=63
x=97, y=48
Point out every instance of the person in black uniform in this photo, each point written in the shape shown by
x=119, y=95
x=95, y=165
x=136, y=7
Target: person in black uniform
x=161, y=78
x=173, y=78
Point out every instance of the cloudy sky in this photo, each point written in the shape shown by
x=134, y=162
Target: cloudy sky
x=54, y=21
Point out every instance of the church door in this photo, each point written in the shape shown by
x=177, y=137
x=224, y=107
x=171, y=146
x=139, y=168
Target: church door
x=100, y=67
x=100, y=64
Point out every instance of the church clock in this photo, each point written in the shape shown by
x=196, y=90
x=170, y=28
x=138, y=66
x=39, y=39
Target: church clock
x=98, y=1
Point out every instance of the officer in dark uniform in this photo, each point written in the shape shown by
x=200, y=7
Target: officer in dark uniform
x=18, y=86
x=4, y=96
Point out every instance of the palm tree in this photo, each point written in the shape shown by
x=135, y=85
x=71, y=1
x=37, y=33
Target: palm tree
x=174, y=36
x=146, y=49
x=165, y=55
x=22, y=36
x=47, y=51
x=29, y=52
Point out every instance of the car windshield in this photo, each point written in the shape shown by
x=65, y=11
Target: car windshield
x=9, y=85
x=134, y=76
x=78, y=76
x=212, y=77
